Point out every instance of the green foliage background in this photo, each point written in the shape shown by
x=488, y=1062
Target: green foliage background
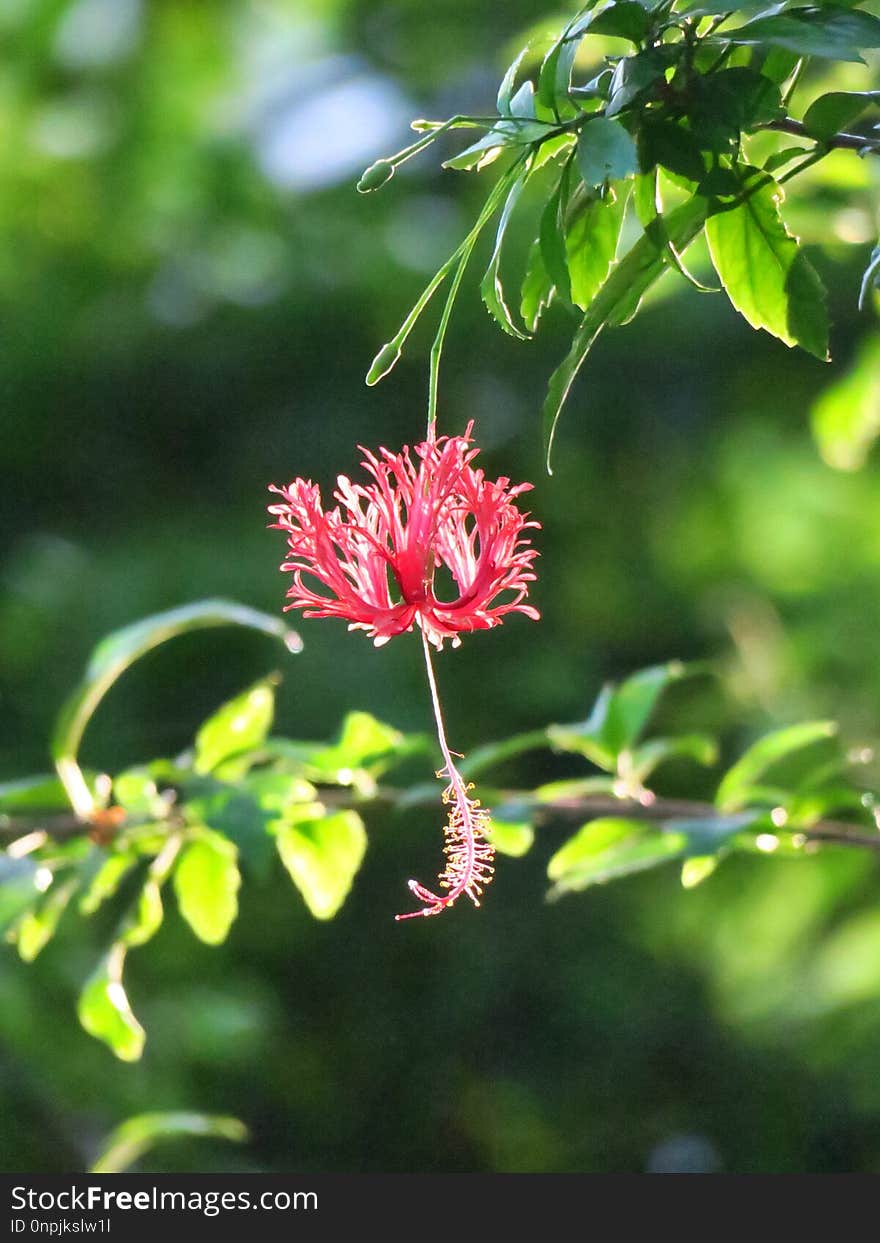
x=191, y=292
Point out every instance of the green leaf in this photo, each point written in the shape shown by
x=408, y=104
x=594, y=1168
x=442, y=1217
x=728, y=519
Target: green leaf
x=365, y=746
x=673, y=147
x=237, y=813
x=136, y=1136
x=509, y=132
x=491, y=288
x=835, y=111
x=119, y=651
x=714, y=8
x=766, y=275
x=777, y=64
x=38, y=926
x=780, y=158
x=648, y=756
x=625, y=19
x=632, y=703
x=587, y=738
x=616, y=303
x=571, y=790
x=207, y=881
x=648, y=206
x=605, y=152
x=34, y=794
x=106, y=880
x=619, y=715
x=242, y=724
x=537, y=288
x=323, y=858
x=104, y=1010
x=736, y=788
x=733, y=100
x=591, y=245
x=635, y=74
x=493, y=753
x=510, y=837
x=606, y=849
x=21, y=881
x=554, y=79
x=135, y=790
x=552, y=234
x=145, y=919
x=829, y=31
x=694, y=871
x=279, y=793
x=846, y=417
x=505, y=90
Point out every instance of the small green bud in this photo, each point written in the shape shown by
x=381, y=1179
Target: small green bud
x=375, y=176
x=383, y=362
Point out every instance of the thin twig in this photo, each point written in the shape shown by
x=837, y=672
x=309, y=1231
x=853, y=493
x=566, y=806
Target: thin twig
x=844, y=142
x=64, y=826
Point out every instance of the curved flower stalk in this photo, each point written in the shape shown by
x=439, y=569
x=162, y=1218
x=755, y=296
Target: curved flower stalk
x=469, y=856
x=372, y=560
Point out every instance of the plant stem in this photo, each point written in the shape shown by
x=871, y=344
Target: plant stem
x=583, y=808
x=844, y=142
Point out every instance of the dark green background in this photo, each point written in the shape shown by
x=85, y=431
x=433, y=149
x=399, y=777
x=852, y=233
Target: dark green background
x=190, y=293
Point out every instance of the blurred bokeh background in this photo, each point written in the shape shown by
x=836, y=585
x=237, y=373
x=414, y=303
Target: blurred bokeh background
x=190, y=293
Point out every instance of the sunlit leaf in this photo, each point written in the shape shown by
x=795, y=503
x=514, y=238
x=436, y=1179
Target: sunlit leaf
x=619, y=715
x=606, y=849
x=491, y=754
x=207, y=881
x=491, y=288
x=21, y=882
x=767, y=276
x=829, y=30
x=508, y=82
x=648, y=756
x=39, y=925
x=30, y=795
x=635, y=74
x=145, y=918
x=537, y=288
x=106, y=880
x=323, y=858
x=835, y=111
x=736, y=787
x=136, y=790
x=551, y=234
x=846, y=417
x=605, y=152
x=137, y=1136
x=591, y=244
x=694, y=871
x=509, y=837
x=625, y=19
x=365, y=746
x=104, y=1009
x=239, y=725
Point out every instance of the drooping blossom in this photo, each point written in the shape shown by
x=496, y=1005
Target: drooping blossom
x=372, y=559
